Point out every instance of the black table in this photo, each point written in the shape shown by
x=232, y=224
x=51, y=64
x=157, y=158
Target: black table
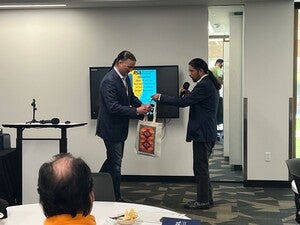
x=20, y=128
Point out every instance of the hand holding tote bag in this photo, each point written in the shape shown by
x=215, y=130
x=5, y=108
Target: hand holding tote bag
x=149, y=136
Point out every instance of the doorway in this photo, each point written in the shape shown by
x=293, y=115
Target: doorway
x=225, y=45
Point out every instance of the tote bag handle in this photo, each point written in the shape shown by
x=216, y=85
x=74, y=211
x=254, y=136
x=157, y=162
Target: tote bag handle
x=154, y=113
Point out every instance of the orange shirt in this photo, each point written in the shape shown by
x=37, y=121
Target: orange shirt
x=66, y=219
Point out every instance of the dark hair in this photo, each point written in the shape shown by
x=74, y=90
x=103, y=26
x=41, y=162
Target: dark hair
x=124, y=55
x=219, y=61
x=67, y=193
x=198, y=64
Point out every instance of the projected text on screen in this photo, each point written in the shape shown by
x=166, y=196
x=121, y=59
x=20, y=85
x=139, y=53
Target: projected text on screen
x=143, y=83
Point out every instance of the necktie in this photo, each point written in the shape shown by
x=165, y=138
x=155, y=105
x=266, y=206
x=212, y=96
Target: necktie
x=125, y=84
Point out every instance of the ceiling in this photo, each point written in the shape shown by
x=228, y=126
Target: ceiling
x=218, y=17
x=219, y=10
x=121, y=3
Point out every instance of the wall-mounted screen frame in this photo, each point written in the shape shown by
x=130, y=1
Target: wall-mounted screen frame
x=156, y=79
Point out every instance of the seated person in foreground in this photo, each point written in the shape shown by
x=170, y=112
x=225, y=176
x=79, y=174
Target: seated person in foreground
x=65, y=189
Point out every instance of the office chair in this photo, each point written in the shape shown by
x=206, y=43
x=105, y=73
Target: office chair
x=3, y=206
x=294, y=169
x=103, y=187
x=4, y=141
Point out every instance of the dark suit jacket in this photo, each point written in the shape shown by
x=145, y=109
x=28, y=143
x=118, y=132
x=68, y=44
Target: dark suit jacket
x=203, y=101
x=115, y=108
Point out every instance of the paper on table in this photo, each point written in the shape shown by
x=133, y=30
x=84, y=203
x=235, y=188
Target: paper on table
x=154, y=217
x=107, y=221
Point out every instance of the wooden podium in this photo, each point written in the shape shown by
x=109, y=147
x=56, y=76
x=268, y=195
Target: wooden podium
x=20, y=128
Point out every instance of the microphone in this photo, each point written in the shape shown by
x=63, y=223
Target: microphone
x=53, y=121
x=33, y=103
x=3, y=211
x=185, y=86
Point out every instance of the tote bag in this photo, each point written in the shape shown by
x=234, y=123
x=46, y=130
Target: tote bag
x=149, y=136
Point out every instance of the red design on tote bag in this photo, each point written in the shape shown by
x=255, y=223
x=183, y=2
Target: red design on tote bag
x=147, y=139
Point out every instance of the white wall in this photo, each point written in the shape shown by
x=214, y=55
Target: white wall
x=268, y=85
x=234, y=97
x=226, y=115
x=46, y=55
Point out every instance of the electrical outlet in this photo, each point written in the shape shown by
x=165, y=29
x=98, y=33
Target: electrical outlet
x=268, y=156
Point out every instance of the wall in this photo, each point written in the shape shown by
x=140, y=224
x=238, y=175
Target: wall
x=234, y=96
x=268, y=85
x=46, y=55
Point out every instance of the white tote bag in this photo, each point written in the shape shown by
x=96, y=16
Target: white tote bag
x=149, y=136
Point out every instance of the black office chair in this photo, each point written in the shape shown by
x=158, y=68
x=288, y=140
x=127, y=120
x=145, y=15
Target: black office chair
x=4, y=141
x=3, y=206
x=294, y=169
x=103, y=187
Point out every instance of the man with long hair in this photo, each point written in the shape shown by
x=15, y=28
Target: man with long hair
x=201, y=130
x=117, y=105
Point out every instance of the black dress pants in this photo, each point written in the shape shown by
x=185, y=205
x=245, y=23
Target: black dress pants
x=201, y=154
x=113, y=163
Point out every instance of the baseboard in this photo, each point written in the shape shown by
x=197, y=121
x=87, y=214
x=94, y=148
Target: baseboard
x=191, y=179
x=151, y=178
x=167, y=179
x=267, y=183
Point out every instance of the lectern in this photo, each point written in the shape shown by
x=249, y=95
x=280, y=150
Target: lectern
x=20, y=127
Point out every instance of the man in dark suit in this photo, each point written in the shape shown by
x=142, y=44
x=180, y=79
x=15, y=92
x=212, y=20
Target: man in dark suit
x=203, y=102
x=117, y=105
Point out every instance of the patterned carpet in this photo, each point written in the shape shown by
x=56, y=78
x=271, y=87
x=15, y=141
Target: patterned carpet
x=234, y=204
x=219, y=167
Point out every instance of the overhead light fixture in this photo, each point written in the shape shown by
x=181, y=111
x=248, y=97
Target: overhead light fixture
x=32, y=6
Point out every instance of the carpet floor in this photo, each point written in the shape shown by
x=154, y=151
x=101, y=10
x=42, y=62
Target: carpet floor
x=234, y=203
